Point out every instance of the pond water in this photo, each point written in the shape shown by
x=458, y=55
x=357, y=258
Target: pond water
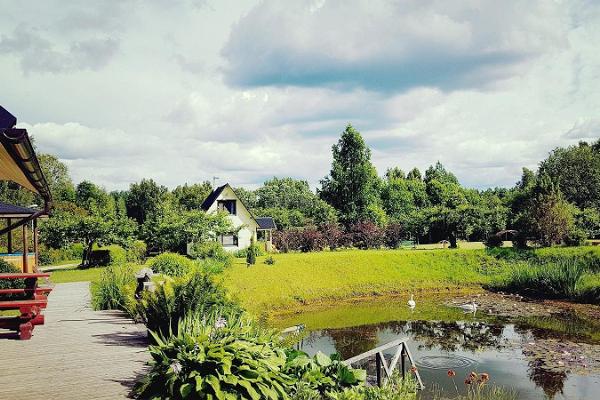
x=554, y=356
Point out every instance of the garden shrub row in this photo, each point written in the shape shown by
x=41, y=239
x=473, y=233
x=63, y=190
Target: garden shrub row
x=362, y=235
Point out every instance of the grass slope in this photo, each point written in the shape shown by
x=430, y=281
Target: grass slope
x=298, y=278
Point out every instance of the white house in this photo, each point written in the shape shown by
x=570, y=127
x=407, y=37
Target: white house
x=224, y=198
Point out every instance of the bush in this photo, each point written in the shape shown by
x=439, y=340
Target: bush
x=575, y=237
x=494, y=241
x=333, y=235
x=49, y=256
x=251, y=254
x=366, y=235
x=212, y=250
x=270, y=260
x=310, y=239
x=171, y=264
x=393, y=235
x=136, y=252
x=109, y=255
x=116, y=288
x=286, y=241
x=212, y=357
x=162, y=309
x=243, y=253
x=8, y=268
x=322, y=373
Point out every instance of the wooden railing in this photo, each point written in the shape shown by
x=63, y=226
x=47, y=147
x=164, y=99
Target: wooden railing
x=401, y=355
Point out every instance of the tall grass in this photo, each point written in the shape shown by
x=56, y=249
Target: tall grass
x=115, y=288
x=560, y=279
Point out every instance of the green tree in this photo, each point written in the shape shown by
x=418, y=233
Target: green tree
x=145, y=199
x=414, y=174
x=191, y=197
x=58, y=178
x=352, y=185
x=576, y=170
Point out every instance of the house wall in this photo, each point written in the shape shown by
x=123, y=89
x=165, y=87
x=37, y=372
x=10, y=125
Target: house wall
x=242, y=218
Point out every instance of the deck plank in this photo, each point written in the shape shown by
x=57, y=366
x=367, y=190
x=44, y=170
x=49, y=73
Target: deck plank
x=78, y=353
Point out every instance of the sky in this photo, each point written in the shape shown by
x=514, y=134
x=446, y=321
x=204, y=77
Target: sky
x=182, y=91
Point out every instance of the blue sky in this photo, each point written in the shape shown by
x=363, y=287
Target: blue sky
x=244, y=90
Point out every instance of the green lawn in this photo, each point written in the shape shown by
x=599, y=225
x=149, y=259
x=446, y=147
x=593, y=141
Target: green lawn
x=75, y=275
x=298, y=278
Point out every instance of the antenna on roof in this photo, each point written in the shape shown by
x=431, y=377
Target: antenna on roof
x=215, y=178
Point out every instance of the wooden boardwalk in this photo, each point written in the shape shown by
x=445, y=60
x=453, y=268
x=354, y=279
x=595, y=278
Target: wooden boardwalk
x=77, y=354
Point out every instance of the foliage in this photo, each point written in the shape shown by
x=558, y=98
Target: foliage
x=251, y=253
x=6, y=267
x=50, y=256
x=366, y=235
x=210, y=357
x=115, y=288
x=494, y=241
x=212, y=250
x=175, y=298
x=136, y=252
x=351, y=186
x=334, y=236
x=191, y=197
x=145, y=199
x=109, y=255
x=171, y=264
x=558, y=279
x=322, y=373
x=393, y=235
x=270, y=260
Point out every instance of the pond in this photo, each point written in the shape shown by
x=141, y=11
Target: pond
x=555, y=355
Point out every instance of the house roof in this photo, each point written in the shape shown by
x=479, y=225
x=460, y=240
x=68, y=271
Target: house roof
x=212, y=197
x=18, y=162
x=265, y=223
x=9, y=210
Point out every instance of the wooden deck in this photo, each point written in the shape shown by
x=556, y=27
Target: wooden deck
x=77, y=354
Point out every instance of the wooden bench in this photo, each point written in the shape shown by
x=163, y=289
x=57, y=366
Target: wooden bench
x=34, y=300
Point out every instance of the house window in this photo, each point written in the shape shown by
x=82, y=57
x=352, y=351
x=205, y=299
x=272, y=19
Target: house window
x=229, y=240
x=227, y=205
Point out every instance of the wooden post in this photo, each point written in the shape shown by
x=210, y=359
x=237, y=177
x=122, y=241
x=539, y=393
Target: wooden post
x=9, y=236
x=378, y=369
x=25, y=250
x=35, y=245
x=403, y=361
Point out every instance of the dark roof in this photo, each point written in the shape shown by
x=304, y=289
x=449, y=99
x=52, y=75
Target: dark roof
x=9, y=209
x=265, y=223
x=212, y=197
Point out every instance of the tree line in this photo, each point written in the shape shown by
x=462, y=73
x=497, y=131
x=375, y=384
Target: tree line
x=353, y=206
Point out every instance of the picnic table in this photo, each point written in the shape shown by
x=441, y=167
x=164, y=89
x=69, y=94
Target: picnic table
x=30, y=301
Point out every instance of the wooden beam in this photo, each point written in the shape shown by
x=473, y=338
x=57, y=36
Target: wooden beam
x=25, y=250
x=9, y=236
x=36, y=246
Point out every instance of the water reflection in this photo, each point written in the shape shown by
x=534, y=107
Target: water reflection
x=482, y=344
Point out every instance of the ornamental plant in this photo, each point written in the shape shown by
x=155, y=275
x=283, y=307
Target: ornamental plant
x=216, y=356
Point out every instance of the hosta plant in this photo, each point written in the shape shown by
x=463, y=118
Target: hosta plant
x=216, y=357
x=323, y=373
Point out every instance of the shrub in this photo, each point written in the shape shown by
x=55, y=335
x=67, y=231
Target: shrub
x=243, y=253
x=8, y=268
x=366, y=235
x=251, y=254
x=173, y=299
x=322, y=373
x=576, y=237
x=217, y=358
x=171, y=264
x=212, y=250
x=109, y=255
x=333, y=235
x=310, y=239
x=115, y=289
x=494, y=241
x=49, y=256
x=393, y=235
x=270, y=260
x=136, y=252
x=286, y=241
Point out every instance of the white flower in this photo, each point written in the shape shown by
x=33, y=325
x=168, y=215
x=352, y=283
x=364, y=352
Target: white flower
x=176, y=366
x=220, y=323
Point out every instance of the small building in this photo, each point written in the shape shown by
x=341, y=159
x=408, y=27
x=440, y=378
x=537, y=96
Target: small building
x=19, y=164
x=248, y=227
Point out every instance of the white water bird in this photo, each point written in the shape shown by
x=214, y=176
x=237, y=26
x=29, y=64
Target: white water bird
x=412, y=303
x=469, y=307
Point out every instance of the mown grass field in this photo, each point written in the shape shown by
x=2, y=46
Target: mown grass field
x=298, y=279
